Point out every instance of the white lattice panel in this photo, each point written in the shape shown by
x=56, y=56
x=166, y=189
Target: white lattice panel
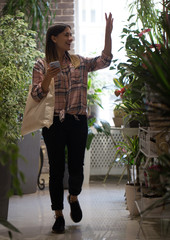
x=102, y=154
x=102, y=151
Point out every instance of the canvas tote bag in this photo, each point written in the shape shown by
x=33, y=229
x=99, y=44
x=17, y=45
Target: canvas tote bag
x=38, y=114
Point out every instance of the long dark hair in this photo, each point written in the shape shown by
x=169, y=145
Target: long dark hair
x=50, y=48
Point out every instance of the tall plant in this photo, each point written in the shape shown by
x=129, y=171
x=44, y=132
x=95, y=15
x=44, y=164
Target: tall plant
x=17, y=56
x=132, y=90
x=147, y=14
x=155, y=72
x=36, y=12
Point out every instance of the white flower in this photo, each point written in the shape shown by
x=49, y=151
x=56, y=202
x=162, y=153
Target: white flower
x=90, y=91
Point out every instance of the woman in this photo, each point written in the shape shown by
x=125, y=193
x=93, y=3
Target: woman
x=69, y=127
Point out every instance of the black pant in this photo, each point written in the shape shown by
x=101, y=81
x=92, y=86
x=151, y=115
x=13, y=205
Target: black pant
x=73, y=133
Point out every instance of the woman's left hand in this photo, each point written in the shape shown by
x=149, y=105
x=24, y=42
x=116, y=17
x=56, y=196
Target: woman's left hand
x=109, y=23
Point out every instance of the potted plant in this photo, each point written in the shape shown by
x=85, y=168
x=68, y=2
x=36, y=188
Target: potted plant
x=130, y=90
x=154, y=70
x=126, y=153
x=129, y=155
x=119, y=115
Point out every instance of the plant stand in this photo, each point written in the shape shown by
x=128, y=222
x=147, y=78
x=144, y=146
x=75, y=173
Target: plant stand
x=150, y=208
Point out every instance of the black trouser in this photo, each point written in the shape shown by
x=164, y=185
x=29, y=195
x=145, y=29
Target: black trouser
x=73, y=133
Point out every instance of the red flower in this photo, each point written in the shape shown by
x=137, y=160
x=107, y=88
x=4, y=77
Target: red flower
x=144, y=31
x=117, y=93
x=120, y=92
x=158, y=46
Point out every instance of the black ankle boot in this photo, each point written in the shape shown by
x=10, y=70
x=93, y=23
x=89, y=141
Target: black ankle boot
x=76, y=212
x=59, y=225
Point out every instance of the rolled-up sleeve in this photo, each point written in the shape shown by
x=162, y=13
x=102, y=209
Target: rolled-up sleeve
x=37, y=78
x=106, y=59
x=99, y=62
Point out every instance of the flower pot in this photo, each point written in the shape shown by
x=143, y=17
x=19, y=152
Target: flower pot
x=132, y=194
x=29, y=148
x=118, y=121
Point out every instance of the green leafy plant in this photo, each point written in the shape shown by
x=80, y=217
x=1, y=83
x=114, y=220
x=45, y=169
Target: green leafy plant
x=154, y=70
x=93, y=92
x=10, y=226
x=94, y=127
x=9, y=154
x=130, y=90
x=118, y=111
x=147, y=14
x=126, y=152
x=17, y=57
x=37, y=13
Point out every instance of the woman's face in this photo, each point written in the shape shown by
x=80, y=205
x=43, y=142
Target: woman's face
x=63, y=40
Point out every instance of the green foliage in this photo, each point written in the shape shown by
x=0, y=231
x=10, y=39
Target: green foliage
x=146, y=13
x=155, y=72
x=93, y=97
x=17, y=56
x=92, y=125
x=9, y=226
x=36, y=12
x=127, y=149
x=147, y=68
x=9, y=153
x=126, y=152
x=133, y=96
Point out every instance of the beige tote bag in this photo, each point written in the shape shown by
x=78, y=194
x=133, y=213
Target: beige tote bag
x=38, y=114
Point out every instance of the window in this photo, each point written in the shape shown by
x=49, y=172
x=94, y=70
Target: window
x=93, y=15
x=90, y=36
x=90, y=39
x=83, y=15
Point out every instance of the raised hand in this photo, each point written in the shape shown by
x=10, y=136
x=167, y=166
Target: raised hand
x=109, y=27
x=109, y=23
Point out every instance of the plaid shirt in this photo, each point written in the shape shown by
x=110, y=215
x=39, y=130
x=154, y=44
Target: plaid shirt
x=70, y=83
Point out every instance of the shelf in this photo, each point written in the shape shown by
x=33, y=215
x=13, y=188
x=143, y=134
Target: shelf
x=153, y=142
x=161, y=212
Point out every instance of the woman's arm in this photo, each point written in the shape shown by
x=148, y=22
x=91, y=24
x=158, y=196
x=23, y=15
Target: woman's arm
x=50, y=73
x=108, y=40
x=41, y=79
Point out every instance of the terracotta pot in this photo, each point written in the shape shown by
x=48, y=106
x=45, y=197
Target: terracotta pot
x=118, y=121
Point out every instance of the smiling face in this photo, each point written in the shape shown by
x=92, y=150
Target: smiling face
x=63, y=40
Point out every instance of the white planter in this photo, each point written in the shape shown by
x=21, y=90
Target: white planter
x=29, y=148
x=132, y=194
x=86, y=168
